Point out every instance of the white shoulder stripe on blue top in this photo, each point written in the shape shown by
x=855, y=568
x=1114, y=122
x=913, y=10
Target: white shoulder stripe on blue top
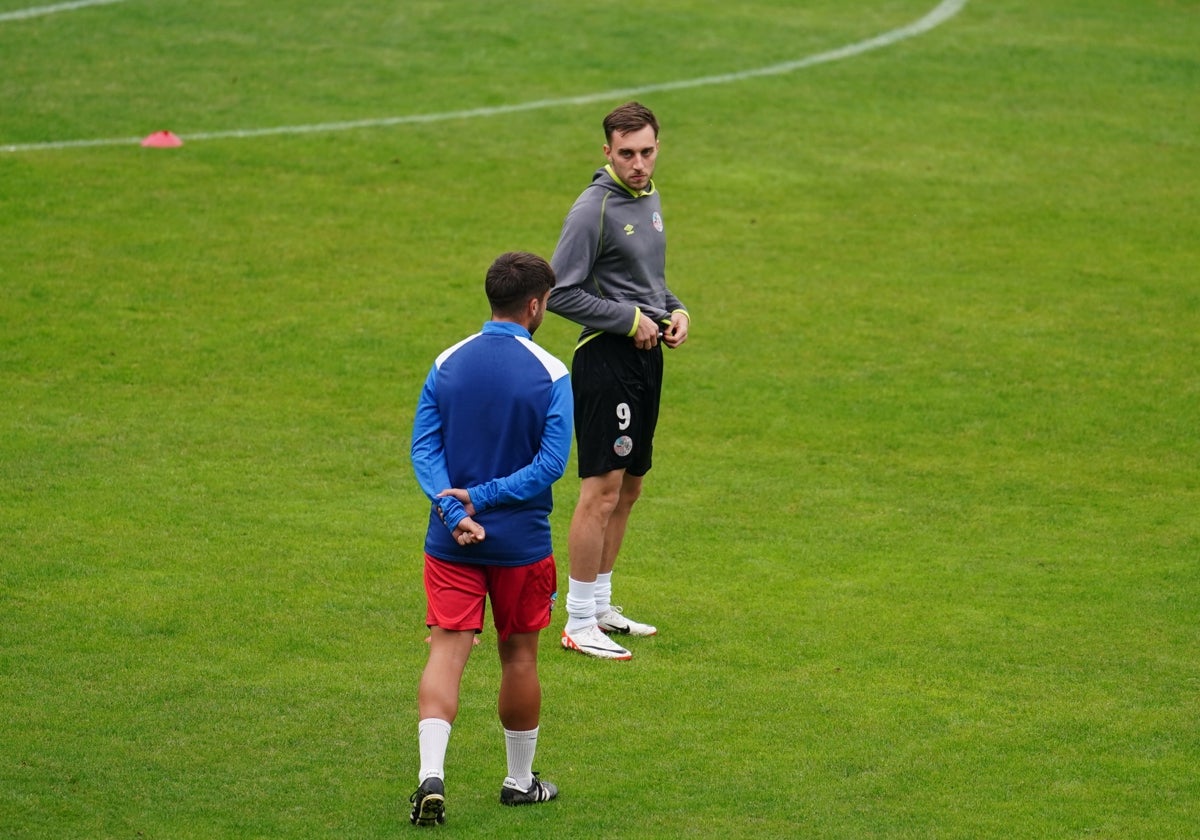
x=551, y=363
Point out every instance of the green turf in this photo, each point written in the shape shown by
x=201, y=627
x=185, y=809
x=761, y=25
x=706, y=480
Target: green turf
x=922, y=536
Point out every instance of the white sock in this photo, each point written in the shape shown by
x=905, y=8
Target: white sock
x=434, y=737
x=520, y=747
x=603, y=593
x=581, y=605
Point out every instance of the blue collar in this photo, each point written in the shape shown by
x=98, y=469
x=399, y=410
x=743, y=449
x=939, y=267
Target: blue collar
x=505, y=328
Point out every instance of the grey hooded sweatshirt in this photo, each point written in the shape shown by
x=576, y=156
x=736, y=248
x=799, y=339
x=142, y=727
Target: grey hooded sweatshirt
x=611, y=259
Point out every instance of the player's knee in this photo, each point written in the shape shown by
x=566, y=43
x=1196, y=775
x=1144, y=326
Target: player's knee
x=630, y=494
x=600, y=496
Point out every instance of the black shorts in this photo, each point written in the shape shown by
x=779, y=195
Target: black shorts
x=617, y=391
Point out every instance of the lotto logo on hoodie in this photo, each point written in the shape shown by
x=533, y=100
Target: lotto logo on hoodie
x=623, y=445
x=656, y=220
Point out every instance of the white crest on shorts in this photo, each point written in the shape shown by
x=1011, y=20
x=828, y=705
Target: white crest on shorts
x=623, y=445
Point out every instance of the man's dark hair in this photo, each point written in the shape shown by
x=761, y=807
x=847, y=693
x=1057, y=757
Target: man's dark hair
x=631, y=116
x=514, y=279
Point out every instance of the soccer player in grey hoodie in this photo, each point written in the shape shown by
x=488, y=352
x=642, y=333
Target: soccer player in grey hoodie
x=611, y=268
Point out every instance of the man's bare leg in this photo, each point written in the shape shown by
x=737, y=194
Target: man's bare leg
x=598, y=498
x=618, y=520
x=610, y=619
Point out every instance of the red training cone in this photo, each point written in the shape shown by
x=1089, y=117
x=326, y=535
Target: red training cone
x=162, y=140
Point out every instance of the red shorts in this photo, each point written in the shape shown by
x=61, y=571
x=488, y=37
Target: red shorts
x=521, y=595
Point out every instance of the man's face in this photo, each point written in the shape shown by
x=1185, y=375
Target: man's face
x=632, y=156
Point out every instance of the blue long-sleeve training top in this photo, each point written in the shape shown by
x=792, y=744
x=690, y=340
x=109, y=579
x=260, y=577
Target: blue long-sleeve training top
x=495, y=418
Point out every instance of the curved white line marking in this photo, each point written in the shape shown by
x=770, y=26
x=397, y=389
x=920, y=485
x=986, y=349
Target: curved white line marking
x=38, y=11
x=943, y=12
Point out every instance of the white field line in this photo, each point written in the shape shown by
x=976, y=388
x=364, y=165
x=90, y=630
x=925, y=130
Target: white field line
x=38, y=11
x=939, y=15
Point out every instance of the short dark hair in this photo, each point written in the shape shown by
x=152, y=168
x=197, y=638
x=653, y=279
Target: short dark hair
x=514, y=279
x=631, y=116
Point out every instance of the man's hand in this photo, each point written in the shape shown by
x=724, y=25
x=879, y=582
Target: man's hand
x=468, y=532
x=463, y=496
x=647, y=334
x=677, y=333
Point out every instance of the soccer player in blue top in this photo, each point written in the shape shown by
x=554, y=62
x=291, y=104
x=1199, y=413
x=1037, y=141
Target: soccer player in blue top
x=492, y=433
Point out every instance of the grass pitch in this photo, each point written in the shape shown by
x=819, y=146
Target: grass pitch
x=921, y=538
